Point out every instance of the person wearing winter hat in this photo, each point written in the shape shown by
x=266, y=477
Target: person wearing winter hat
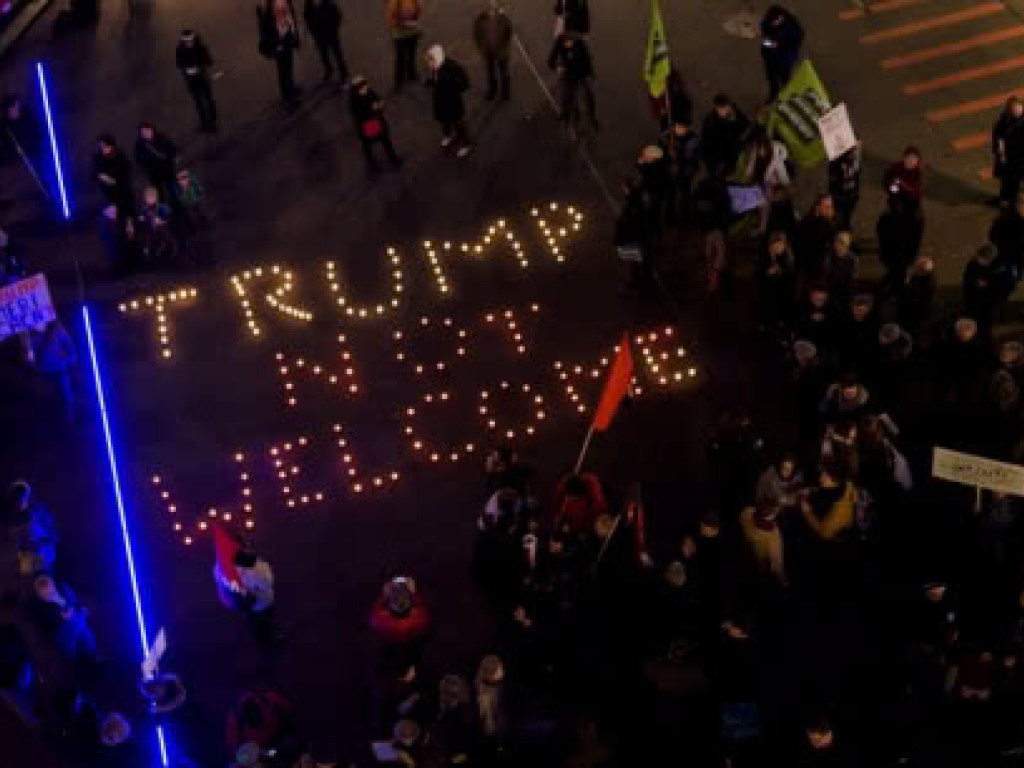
x=449, y=81
x=368, y=114
x=193, y=60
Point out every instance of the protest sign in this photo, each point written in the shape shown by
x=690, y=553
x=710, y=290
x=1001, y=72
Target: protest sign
x=836, y=132
x=156, y=652
x=979, y=472
x=24, y=305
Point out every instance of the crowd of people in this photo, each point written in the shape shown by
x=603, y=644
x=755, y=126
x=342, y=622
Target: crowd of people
x=827, y=603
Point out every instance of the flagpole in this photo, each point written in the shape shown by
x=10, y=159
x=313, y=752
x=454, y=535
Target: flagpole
x=583, y=451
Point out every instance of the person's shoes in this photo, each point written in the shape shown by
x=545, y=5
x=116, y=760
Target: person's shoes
x=597, y=126
x=397, y=162
x=506, y=96
x=464, y=150
x=446, y=141
x=489, y=96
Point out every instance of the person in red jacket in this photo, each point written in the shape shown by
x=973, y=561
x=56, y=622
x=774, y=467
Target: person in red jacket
x=263, y=717
x=904, y=179
x=401, y=620
x=579, y=501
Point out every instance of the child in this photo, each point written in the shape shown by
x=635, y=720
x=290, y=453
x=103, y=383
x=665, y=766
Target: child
x=191, y=194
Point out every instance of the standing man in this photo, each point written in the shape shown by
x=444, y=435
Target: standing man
x=1008, y=150
x=368, y=114
x=194, y=60
x=279, y=39
x=404, y=20
x=493, y=34
x=324, y=22
x=449, y=81
x=571, y=59
x=781, y=37
x=114, y=174
x=157, y=156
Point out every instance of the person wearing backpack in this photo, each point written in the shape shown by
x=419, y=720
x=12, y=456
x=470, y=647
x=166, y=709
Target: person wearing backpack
x=449, y=80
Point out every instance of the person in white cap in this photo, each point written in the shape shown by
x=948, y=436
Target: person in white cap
x=194, y=61
x=449, y=80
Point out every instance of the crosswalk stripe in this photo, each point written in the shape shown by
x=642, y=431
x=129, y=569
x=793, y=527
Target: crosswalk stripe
x=882, y=7
x=970, y=107
x=935, y=22
x=973, y=141
x=973, y=73
x=951, y=49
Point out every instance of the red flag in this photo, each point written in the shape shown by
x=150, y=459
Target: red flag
x=615, y=388
x=226, y=546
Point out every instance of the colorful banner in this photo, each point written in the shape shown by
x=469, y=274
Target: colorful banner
x=657, y=65
x=25, y=305
x=795, y=114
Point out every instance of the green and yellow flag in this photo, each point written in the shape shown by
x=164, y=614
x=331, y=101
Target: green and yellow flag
x=657, y=65
x=794, y=115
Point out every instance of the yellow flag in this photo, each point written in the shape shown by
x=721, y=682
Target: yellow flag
x=657, y=65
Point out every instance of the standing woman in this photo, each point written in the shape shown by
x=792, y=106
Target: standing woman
x=1008, y=150
x=404, y=20
x=279, y=39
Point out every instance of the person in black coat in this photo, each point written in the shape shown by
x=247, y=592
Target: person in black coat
x=194, y=61
x=1008, y=150
x=781, y=37
x=900, y=229
x=324, y=22
x=368, y=114
x=279, y=39
x=449, y=81
x=980, y=287
x=844, y=185
x=570, y=57
x=722, y=136
x=1007, y=235
x=157, y=155
x=114, y=174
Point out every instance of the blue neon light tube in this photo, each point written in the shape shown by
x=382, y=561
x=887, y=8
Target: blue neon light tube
x=45, y=93
x=101, y=401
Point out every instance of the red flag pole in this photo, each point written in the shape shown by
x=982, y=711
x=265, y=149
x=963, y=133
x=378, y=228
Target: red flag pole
x=583, y=451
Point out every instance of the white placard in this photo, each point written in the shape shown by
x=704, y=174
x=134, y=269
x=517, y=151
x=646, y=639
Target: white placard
x=836, y=132
x=25, y=305
x=978, y=472
x=156, y=652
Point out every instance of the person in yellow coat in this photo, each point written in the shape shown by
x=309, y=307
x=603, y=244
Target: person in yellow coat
x=830, y=511
x=761, y=532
